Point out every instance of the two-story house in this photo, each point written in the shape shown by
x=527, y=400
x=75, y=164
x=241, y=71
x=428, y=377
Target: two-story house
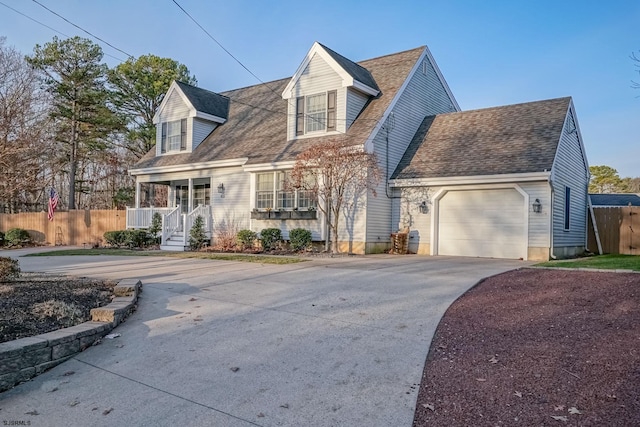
x=464, y=182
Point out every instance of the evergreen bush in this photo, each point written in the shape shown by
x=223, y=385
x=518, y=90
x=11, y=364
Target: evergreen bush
x=246, y=238
x=197, y=236
x=300, y=239
x=156, y=227
x=17, y=237
x=270, y=237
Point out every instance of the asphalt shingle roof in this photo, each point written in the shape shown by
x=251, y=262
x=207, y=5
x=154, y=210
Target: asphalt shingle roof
x=510, y=139
x=256, y=125
x=356, y=71
x=615, y=199
x=206, y=101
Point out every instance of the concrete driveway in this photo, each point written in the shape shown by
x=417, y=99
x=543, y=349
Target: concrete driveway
x=329, y=342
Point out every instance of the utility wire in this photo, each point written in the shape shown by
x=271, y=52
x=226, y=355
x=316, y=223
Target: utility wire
x=82, y=29
x=51, y=28
x=216, y=41
x=250, y=72
x=34, y=20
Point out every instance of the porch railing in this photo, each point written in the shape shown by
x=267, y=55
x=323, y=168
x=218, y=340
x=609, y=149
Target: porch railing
x=142, y=217
x=171, y=222
x=205, y=213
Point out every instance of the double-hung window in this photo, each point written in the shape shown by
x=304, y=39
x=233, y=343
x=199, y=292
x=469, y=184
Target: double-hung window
x=285, y=196
x=274, y=192
x=316, y=113
x=174, y=136
x=264, y=190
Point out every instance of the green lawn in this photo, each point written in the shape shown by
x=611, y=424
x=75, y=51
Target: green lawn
x=610, y=262
x=263, y=259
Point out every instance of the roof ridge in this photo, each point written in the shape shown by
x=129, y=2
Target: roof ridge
x=502, y=107
x=391, y=54
x=199, y=88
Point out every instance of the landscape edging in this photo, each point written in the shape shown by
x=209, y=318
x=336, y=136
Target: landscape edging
x=25, y=358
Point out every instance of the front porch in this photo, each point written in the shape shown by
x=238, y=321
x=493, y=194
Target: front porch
x=185, y=200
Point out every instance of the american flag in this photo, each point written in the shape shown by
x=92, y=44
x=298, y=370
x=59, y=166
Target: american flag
x=53, y=203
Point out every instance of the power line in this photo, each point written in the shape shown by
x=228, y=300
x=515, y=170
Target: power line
x=34, y=20
x=250, y=72
x=49, y=27
x=82, y=29
x=216, y=41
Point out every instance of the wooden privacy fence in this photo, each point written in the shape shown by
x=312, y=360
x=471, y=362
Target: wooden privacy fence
x=76, y=227
x=619, y=230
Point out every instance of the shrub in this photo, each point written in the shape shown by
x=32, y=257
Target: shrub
x=246, y=238
x=129, y=238
x=137, y=238
x=300, y=239
x=9, y=269
x=17, y=237
x=156, y=227
x=197, y=236
x=225, y=233
x=115, y=238
x=270, y=237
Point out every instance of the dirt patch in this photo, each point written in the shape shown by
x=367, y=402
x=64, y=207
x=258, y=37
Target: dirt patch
x=36, y=303
x=537, y=348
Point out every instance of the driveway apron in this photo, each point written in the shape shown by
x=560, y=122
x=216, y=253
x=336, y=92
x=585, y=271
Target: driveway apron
x=328, y=342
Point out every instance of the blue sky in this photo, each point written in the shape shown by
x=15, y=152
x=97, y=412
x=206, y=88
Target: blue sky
x=490, y=52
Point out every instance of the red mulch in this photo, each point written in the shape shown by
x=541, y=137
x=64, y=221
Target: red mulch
x=537, y=347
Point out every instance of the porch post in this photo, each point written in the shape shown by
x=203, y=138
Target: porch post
x=137, y=194
x=171, y=197
x=190, y=194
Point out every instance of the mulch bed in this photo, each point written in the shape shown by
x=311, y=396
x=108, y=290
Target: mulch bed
x=537, y=347
x=35, y=303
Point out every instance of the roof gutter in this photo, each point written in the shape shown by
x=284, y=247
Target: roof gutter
x=192, y=166
x=473, y=179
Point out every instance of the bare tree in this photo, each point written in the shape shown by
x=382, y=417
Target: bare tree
x=337, y=176
x=23, y=134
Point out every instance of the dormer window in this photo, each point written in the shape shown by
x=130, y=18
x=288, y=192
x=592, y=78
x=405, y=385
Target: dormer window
x=174, y=136
x=316, y=113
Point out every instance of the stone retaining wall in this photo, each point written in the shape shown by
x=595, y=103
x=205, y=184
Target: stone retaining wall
x=25, y=358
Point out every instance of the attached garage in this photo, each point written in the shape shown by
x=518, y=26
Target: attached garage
x=487, y=223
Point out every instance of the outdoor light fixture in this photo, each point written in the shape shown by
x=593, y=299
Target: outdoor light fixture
x=537, y=206
x=424, y=209
x=221, y=188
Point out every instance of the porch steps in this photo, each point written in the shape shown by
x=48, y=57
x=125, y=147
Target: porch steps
x=174, y=243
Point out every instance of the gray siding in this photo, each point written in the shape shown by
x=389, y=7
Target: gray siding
x=569, y=169
x=201, y=128
x=538, y=222
x=174, y=109
x=420, y=224
x=317, y=77
x=424, y=96
x=355, y=102
x=234, y=208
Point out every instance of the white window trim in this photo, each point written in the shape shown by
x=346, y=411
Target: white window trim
x=274, y=200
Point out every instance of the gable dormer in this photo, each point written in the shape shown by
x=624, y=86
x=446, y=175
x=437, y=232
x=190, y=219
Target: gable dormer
x=186, y=116
x=326, y=94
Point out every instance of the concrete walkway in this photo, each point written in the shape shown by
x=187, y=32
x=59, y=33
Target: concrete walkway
x=329, y=342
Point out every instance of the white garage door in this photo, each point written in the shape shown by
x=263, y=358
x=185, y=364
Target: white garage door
x=482, y=223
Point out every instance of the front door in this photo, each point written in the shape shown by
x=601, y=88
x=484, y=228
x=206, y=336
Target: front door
x=182, y=198
x=201, y=196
